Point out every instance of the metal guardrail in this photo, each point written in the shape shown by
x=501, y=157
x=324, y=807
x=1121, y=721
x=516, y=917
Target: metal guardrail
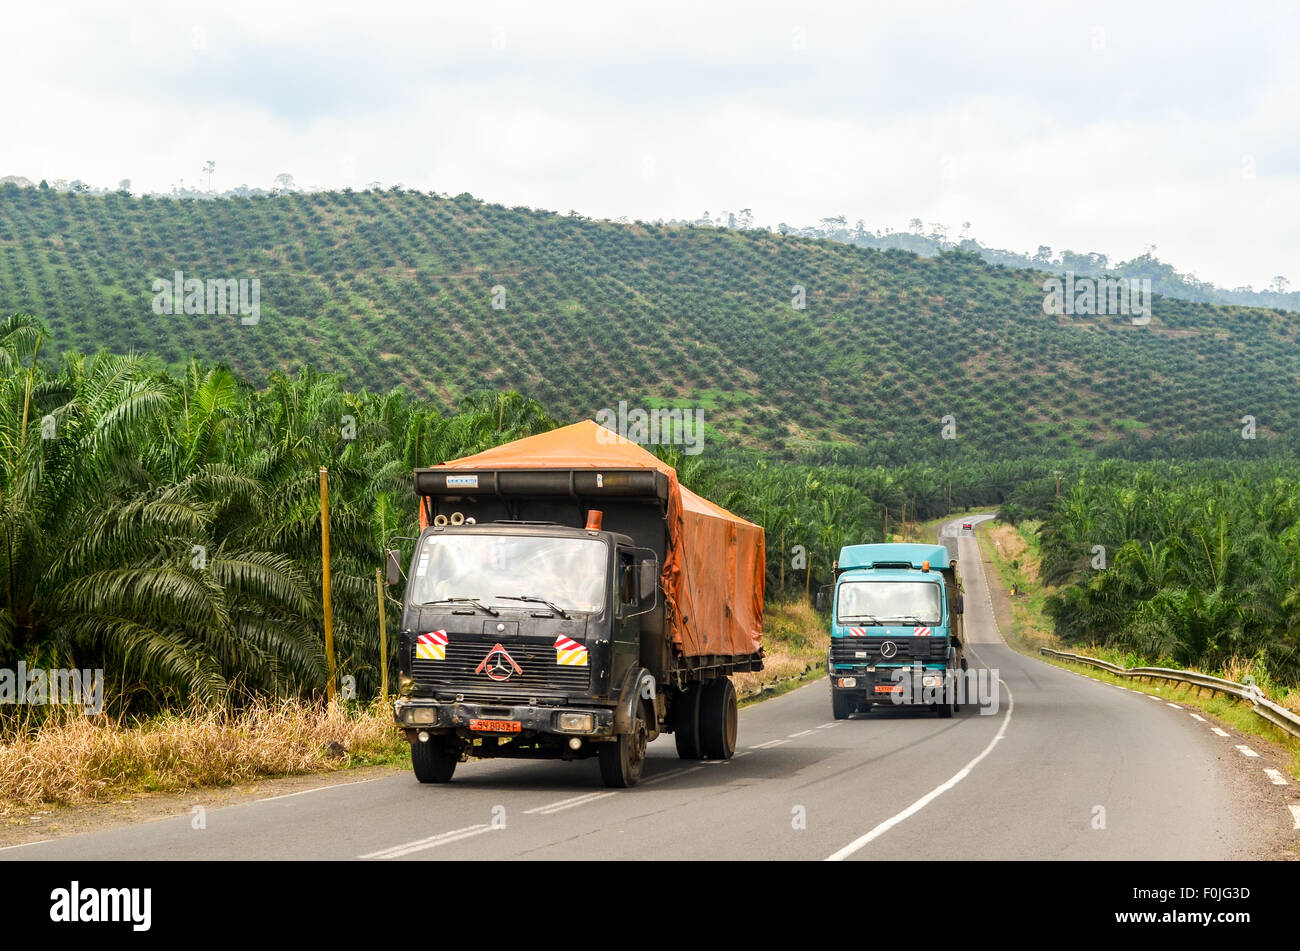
x=1279, y=716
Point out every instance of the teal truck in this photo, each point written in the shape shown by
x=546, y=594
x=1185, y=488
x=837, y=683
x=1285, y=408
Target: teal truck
x=896, y=629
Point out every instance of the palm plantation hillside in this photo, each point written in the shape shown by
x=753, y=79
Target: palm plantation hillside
x=452, y=296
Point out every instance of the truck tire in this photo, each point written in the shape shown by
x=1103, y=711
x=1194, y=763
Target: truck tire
x=434, y=761
x=948, y=705
x=718, y=719
x=622, y=759
x=841, y=705
x=686, y=722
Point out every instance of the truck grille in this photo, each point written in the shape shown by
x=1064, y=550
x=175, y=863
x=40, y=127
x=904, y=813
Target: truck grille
x=537, y=674
x=866, y=650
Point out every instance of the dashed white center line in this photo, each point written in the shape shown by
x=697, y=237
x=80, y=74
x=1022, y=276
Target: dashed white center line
x=1197, y=717
x=769, y=744
x=419, y=845
x=1217, y=732
x=669, y=775
x=795, y=736
x=1275, y=777
x=827, y=726
x=1246, y=750
x=563, y=804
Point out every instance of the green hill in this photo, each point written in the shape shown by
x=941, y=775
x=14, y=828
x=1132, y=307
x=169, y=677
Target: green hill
x=398, y=288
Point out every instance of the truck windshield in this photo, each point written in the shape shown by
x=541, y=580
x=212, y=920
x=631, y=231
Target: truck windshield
x=569, y=572
x=880, y=602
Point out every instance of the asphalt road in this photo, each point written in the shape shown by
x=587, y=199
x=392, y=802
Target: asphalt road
x=1059, y=756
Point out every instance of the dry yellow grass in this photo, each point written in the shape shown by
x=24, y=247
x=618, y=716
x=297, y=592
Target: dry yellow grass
x=72, y=759
x=795, y=640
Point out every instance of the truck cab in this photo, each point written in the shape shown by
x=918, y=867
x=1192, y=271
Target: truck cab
x=896, y=629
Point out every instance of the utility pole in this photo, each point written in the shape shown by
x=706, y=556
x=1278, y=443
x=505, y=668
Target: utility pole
x=325, y=581
x=1057, y=473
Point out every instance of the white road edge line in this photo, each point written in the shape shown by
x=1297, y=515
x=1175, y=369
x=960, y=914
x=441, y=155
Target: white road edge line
x=432, y=842
x=769, y=744
x=933, y=794
x=1246, y=750
x=1217, y=732
x=303, y=792
x=1275, y=777
x=1197, y=717
x=1175, y=706
x=795, y=736
x=1295, y=813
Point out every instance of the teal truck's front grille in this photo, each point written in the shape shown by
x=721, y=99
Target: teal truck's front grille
x=861, y=651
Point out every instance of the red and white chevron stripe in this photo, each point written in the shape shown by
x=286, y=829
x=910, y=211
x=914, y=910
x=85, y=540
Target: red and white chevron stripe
x=920, y=632
x=569, y=653
x=431, y=646
x=857, y=632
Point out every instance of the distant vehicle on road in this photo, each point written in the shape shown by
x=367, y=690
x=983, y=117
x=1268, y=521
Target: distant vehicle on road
x=966, y=527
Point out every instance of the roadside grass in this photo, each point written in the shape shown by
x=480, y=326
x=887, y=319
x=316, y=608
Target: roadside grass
x=795, y=640
x=68, y=759
x=71, y=759
x=1014, y=556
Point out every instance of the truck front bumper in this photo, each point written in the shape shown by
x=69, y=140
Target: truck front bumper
x=900, y=686
x=415, y=713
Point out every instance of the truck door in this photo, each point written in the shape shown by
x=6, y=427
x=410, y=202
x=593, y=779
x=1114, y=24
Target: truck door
x=627, y=625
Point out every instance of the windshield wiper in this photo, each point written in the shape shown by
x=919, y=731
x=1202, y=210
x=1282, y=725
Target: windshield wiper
x=871, y=618
x=474, y=601
x=907, y=619
x=529, y=598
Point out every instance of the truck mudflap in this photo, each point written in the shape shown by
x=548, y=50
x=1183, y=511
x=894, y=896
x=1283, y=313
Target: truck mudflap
x=484, y=719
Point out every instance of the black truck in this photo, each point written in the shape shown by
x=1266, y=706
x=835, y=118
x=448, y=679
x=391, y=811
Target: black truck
x=536, y=621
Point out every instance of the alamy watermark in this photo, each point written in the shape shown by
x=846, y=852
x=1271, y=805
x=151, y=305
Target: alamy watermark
x=1098, y=296
x=215, y=297
x=663, y=426
x=38, y=687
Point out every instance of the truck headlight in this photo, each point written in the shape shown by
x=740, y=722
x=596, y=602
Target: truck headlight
x=932, y=680
x=848, y=681
x=576, y=722
x=419, y=715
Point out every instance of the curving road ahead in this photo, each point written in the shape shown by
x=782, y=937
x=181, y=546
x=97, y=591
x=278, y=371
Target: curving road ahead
x=1061, y=755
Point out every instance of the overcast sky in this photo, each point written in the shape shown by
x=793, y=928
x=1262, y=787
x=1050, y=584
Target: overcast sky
x=1097, y=127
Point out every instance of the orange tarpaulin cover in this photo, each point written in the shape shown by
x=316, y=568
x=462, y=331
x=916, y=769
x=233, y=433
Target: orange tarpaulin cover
x=715, y=567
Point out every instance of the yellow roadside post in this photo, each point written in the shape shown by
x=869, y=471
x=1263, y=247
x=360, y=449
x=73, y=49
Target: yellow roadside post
x=383, y=637
x=325, y=581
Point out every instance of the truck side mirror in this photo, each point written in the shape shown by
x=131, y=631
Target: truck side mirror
x=648, y=582
x=960, y=605
x=822, y=602
x=394, y=566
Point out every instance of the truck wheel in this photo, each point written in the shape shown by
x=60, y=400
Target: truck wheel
x=621, y=761
x=841, y=705
x=433, y=761
x=718, y=719
x=949, y=704
x=686, y=722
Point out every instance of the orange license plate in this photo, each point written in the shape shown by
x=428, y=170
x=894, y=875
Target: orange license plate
x=494, y=726
x=889, y=688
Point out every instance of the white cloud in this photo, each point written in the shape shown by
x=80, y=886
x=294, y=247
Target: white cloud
x=1102, y=129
